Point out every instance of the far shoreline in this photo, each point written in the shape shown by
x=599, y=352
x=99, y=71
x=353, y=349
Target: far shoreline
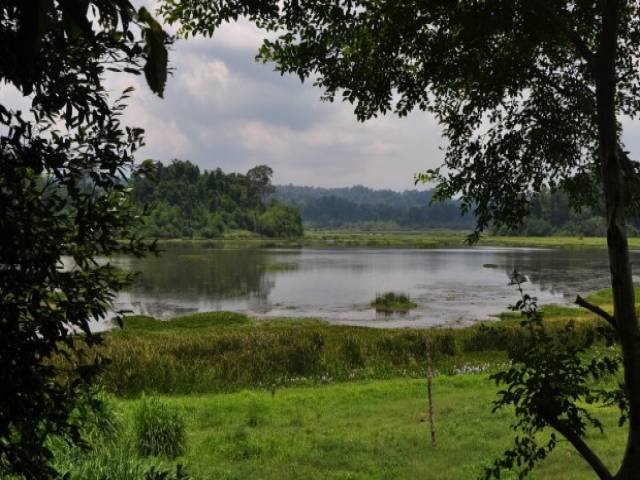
x=405, y=239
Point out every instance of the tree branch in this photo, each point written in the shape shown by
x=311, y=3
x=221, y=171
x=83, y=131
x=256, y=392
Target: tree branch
x=627, y=166
x=576, y=40
x=583, y=449
x=595, y=309
x=582, y=93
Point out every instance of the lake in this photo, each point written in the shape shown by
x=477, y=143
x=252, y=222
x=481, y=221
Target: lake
x=452, y=286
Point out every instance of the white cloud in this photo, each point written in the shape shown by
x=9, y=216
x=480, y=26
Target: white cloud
x=205, y=81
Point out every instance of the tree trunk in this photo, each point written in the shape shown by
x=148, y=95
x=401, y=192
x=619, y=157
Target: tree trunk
x=626, y=319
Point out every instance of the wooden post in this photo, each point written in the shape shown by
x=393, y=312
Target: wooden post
x=429, y=397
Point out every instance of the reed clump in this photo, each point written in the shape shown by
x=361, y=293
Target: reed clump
x=393, y=302
x=168, y=357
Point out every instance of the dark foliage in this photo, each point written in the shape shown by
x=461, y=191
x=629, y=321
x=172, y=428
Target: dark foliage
x=64, y=205
x=548, y=380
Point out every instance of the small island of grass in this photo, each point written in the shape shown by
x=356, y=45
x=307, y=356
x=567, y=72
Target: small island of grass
x=393, y=302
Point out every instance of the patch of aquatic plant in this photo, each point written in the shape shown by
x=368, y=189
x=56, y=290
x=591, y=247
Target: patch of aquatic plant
x=160, y=429
x=124, y=275
x=392, y=301
x=291, y=322
x=189, y=322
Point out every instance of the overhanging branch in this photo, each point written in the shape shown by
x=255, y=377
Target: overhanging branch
x=595, y=309
x=576, y=40
x=589, y=455
x=582, y=93
x=627, y=166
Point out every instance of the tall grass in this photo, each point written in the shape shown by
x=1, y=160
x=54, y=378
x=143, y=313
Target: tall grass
x=159, y=429
x=171, y=358
x=114, y=452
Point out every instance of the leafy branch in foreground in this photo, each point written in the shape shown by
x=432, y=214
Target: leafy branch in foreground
x=64, y=205
x=548, y=381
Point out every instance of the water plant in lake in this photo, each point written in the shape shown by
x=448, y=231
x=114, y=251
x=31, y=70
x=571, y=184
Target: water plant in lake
x=392, y=302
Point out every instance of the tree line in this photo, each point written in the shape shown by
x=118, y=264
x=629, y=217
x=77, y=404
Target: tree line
x=551, y=213
x=190, y=203
x=186, y=202
x=363, y=208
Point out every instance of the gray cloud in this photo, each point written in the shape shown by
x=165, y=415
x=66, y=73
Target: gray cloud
x=222, y=109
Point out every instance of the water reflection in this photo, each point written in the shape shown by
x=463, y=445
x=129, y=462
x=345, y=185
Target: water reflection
x=450, y=285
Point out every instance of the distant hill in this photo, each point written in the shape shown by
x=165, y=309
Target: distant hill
x=363, y=208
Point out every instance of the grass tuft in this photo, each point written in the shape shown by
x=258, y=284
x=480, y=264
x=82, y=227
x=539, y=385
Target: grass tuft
x=160, y=429
x=392, y=302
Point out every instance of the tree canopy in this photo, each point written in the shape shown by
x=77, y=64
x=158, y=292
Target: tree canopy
x=529, y=93
x=190, y=203
x=64, y=205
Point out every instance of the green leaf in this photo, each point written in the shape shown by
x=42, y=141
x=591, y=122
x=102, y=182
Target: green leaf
x=155, y=69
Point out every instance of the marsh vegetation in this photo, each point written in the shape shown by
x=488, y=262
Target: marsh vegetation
x=283, y=398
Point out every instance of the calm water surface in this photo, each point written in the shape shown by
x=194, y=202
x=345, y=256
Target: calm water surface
x=451, y=286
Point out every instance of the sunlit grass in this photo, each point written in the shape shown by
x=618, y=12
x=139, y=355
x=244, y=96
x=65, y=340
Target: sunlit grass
x=188, y=322
x=300, y=398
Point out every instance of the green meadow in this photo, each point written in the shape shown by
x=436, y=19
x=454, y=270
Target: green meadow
x=367, y=429
x=239, y=398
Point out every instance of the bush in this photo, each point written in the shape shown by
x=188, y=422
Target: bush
x=159, y=429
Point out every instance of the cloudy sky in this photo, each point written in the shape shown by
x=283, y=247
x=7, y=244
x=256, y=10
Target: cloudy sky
x=222, y=109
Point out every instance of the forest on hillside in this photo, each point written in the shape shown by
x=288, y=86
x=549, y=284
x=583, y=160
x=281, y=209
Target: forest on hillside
x=209, y=204
x=189, y=203
x=551, y=214
x=362, y=208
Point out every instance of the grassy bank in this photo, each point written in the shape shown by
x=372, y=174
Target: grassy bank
x=224, y=352
x=417, y=239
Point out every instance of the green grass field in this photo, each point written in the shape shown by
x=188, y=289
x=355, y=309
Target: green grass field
x=349, y=430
